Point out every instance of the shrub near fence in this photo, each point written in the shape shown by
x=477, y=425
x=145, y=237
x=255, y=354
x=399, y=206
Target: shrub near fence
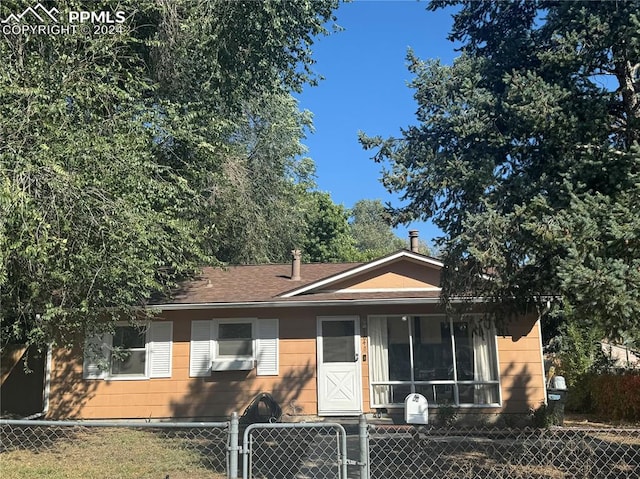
x=617, y=396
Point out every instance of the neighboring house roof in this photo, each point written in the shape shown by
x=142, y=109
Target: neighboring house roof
x=622, y=356
x=270, y=284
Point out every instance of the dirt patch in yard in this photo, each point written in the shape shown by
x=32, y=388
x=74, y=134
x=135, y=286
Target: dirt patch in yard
x=589, y=420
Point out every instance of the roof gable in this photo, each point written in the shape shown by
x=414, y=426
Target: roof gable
x=400, y=271
x=396, y=277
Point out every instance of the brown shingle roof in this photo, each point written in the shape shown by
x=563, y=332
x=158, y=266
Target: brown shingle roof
x=241, y=284
x=251, y=282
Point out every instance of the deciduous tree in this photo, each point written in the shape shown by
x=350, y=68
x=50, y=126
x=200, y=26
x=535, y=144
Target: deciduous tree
x=328, y=238
x=114, y=150
x=371, y=229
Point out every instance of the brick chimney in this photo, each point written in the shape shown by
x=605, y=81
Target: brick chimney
x=295, y=264
x=413, y=241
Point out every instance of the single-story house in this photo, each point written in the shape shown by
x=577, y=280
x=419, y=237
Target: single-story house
x=324, y=339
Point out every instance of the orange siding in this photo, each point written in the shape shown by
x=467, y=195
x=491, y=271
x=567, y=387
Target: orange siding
x=294, y=388
x=403, y=274
x=520, y=358
x=181, y=396
x=364, y=354
x=391, y=280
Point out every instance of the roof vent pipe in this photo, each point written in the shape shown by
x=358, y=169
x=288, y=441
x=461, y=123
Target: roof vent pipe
x=295, y=264
x=413, y=241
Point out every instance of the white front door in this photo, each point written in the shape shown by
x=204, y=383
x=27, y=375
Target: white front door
x=339, y=367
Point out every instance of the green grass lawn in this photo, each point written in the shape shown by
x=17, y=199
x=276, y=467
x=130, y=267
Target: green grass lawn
x=109, y=453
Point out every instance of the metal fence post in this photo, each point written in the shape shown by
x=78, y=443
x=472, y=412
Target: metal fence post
x=234, y=428
x=363, y=435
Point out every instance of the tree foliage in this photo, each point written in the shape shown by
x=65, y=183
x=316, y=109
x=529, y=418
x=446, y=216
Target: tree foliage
x=327, y=237
x=526, y=156
x=371, y=230
x=264, y=184
x=119, y=154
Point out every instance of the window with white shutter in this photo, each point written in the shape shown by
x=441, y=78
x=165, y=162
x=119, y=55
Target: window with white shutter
x=96, y=356
x=200, y=349
x=234, y=344
x=131, y=352
x=267, y=347
x=159, y=347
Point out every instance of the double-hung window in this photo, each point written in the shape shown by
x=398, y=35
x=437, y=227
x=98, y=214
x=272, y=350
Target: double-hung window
x=235, y=340
x=234, y=344
x=130, y=352
x=448, y=361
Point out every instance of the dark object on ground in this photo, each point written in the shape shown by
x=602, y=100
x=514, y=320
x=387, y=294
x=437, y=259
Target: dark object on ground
x=262, y=409
x=556, y=399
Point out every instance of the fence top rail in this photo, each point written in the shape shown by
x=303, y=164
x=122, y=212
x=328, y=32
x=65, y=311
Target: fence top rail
x=409, y=428
x=161, y=425
x=295, y=425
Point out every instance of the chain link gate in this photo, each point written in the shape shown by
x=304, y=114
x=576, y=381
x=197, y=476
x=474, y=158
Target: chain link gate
x=296, y=450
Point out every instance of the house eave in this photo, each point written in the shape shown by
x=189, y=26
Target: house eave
x=303, y=304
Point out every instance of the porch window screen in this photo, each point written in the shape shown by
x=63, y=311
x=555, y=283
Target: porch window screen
x=379, y=357
x=449, y=362
x=484, y=367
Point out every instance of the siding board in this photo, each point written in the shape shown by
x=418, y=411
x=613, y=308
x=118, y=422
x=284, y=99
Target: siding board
x=217, y=396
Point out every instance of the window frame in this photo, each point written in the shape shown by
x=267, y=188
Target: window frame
x=144, y=332
x=204, y=359
x=454, y=383
x=216, y=356
x=162, y=353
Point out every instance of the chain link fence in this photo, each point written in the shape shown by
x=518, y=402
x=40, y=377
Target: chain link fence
x=411, y=452
x=312, y=450
x=78, y=449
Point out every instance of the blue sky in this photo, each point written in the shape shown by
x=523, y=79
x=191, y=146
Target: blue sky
x=365, y=88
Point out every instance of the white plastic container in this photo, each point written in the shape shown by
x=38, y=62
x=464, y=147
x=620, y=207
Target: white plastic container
x=559, y=383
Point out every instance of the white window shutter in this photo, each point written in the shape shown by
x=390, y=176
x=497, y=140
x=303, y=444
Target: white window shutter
x=160, y=342
x=200, y=350
x=267, y=347
x=96, y=356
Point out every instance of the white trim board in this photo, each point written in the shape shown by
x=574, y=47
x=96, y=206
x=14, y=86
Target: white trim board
x=383, y=290
x=365, y=267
